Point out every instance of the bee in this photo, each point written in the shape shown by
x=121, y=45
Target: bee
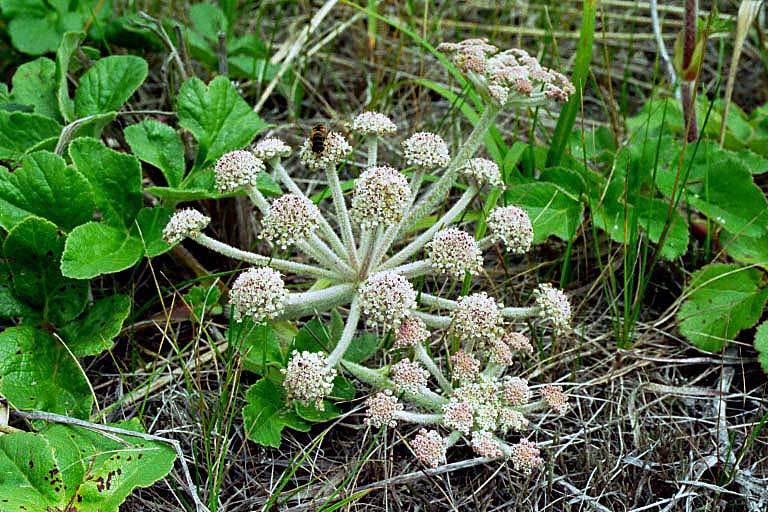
x=317, y=137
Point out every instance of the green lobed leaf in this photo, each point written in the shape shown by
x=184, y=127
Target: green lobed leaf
x=761, y=345
x=552, y=210
x=266, y=414
x=34, y=83
x=32, y=250
x=99, y=472
x=95, y=330
x=96, y=248
x=21, y=132
x=38, y=373
x=46, y=187
x=115, y=178
x=721, y=300
x=108, y=84
x=158, y=144
x=217, y=116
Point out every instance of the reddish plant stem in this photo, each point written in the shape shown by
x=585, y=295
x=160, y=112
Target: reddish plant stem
x=689, y=46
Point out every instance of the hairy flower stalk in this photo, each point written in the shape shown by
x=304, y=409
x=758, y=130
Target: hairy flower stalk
x=363, y=263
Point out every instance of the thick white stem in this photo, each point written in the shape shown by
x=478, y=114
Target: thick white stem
x=520, y=313
x=416, y=245
x=417, y=417
x=373, y=149
x=317, y=301
x=438, y=302
x=394, y=231
x=346, y=336
x=436, y=321
x=414, y=269
x=429, y=364
x=258, y=199
x=324, y=254
x=325, y=227
x=258, y=259
x=342, y=214
x=377, y=379
x=438, y=191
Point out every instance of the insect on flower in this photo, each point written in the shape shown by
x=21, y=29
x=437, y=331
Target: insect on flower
x=317, y=137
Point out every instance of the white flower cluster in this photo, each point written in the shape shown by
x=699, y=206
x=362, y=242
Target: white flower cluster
x=426, y=150
x=185, y=223
x=237, y=169
x=381, y=197
x=335, y=150
x=386, y=298
x=408, y=376
x=512, y=226
x=270, y=148
x=373, y=124
x=478, y=319
x=554, y=306
x=429, y=447
x=290, y=219
x=483, y=171
x=412, y=331
x=308, y=378
x=258, y=293
x=455, y=252
x=381, y=409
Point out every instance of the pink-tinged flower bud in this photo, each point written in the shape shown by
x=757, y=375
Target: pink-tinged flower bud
x=258, y=293
x=412, y=331
x=512, y=226
x=429, y=447
x=381, y=409
x=381, y=196
x=555, y=398
x=458, y=416
x=485, y=445
x=526, y=457
x=518, y=342
x=184, y=223
x=373, y=124
x=510, y=419
x=515, y=391
x=426, y=150
x=465, y=366
x=308, y=378
x=290, y=219
x=237, y=169
x=408, y=376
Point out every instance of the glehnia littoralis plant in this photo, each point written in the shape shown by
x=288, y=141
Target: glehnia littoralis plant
x=370, y=258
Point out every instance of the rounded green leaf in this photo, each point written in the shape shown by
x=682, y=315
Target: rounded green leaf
x=46, y=187
x=94, y=331
x=32, y=250
x=721, y=300
x=31, y=479
x=22, y=131
x=38, y=373
x=158, y=144
x=108, y=84
x=552, y=210
x=96, y=248
x=34, y=83
x=761, y=345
